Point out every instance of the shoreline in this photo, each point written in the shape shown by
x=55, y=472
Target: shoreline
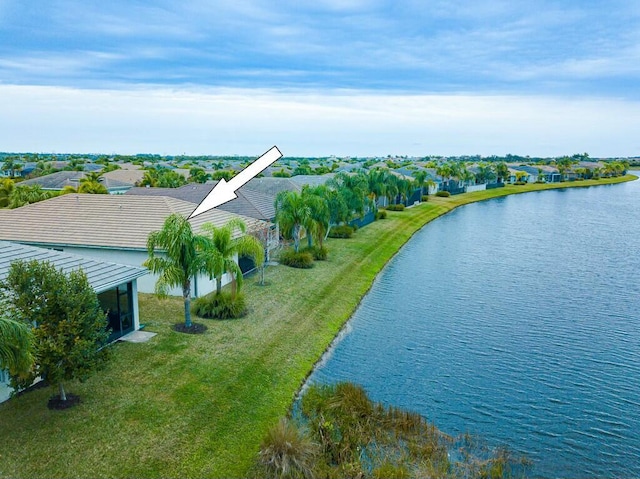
x=450, y=205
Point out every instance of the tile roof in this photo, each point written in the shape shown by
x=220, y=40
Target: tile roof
x=102, y=275
x=130, y=177
x=103, y=221
x=253, y=204
x=272, y=186
x=60, y=179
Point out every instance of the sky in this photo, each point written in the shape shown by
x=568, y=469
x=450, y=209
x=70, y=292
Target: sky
x=328, y=77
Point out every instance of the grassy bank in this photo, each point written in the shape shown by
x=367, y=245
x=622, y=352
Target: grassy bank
x=198, y=406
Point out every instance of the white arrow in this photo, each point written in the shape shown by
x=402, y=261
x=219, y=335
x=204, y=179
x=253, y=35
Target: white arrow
x=226, y=191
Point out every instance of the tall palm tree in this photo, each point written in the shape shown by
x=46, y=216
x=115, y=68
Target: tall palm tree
x=316, y=199
x=292, y=214
x=227, y=248
x=186, y=255
x=15, y=346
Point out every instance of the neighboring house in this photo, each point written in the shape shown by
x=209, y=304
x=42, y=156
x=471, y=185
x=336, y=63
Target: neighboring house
x=115, y=285
x=272, y=186
x=311, y=180
x=127, y=178
x=251, y=203
x=57, y=181
x=551, y=174
x=110, y=228
x=532, y=173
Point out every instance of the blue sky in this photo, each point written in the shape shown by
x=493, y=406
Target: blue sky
x=352, y=77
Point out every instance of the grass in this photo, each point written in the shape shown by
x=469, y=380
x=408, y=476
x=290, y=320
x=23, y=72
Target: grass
x=200, y=405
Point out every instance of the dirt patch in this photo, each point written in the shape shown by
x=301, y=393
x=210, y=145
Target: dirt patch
x=195, y=328
x=58, y=404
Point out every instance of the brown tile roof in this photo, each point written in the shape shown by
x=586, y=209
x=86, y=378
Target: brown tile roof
x=109, y=221
x=124, y=176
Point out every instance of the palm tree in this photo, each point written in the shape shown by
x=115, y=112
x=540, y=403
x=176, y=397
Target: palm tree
x=24, y=195
x=15, y=346
x=316, y=199
x=90, y=183
x=186, y=255
x=227, y=248
x=6, y=186
x=502, y=172
x=292, y=214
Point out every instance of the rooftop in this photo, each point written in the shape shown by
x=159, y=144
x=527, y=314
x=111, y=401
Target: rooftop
x=102, y=275
x=103, y=221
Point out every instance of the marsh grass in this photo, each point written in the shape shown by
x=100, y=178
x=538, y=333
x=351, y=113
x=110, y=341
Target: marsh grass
x=200, y=405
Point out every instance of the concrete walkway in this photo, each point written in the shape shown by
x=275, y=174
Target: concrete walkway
x=137, y=337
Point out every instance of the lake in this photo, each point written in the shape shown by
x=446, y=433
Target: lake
x=517, y=320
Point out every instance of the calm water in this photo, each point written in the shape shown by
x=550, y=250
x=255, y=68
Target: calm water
x=518, y=320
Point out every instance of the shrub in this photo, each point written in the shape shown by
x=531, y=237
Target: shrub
x=381, y=215
x=319, y=253
x=287, y=452
x=398, y=207
x=302, y=259
x=443, y=194
x=343, y=231
x=220, y=306
x=424, y=198
x=519, y=183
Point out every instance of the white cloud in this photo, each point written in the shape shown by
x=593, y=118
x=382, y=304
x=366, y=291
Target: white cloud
x=235, y=121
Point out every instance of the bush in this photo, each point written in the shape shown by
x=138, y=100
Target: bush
x=398, y=207
x=424, y=198
x=318, y=253
x=520, y=183
x=220, y=306
x=344, y=231
x=287, y=452
x=302, y=259
x=443, y=194
x=381, y=215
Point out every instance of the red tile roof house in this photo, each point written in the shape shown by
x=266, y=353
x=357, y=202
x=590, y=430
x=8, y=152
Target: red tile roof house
x=111, y=228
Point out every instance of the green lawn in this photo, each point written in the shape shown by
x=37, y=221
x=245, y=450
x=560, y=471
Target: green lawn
x=198, y=406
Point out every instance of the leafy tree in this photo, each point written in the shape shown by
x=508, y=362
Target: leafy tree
x=27, y=194
x=70, y=325
x=149, y=178
x=6, y=187
x=281, y=173
x=177, y=254
x=222, y=174
x=227, y=248
x=170, y=179
x=198, y=175
x=292, y=214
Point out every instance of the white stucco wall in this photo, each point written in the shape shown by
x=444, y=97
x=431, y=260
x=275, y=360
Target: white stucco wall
x=146, y=284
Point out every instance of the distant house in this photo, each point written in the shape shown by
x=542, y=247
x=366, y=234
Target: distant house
x=532, y=173
x=251, y=203
x=110, y=228
x=312, y=180
x=272, y=186
x=115, y=285
x=59, y=180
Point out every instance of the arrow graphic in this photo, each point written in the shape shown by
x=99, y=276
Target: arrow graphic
x=226, y=191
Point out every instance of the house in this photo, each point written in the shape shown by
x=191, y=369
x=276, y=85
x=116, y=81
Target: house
x=126, y=178
x=111, y=228
x=272, y=186
x=251, y=203
x=115, y=284
x=532, y=175
x=59, y=180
